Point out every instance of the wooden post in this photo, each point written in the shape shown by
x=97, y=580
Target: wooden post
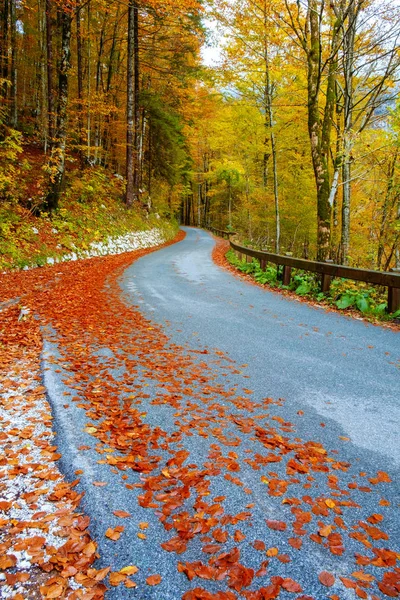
x=240, y=256
x=394, y=296
x=287, y=272
x=326, y=279
x=248, y=258
x=263, y=264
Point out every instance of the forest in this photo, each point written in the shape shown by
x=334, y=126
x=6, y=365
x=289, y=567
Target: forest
x=290, y=138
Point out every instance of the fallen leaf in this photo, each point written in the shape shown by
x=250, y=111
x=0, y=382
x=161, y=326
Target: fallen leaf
x=154, y=580
x=326, y=578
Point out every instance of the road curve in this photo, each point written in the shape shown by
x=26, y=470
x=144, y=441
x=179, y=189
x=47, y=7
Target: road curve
x=340, y=369
x=307, y=380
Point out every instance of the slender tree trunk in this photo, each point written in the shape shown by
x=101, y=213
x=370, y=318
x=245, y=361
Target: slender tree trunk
x=348, y=70
x=133, y=112
x=142, y=137
x=397, y=249
x=130, y=111
x=79, y=59
x=337, y=164
x=346, y=176
x=44, y=121
x=4, y=46
x=230, y=201
x=110, y=70
x=49, y=48
x=136, y=141
x=99, y=70
x=107, y=135
x=149, y=161
x=57, y=161
x=14, y=100
x=89, y=84
x=385, y=210
x=320, y=133
x=270, y=137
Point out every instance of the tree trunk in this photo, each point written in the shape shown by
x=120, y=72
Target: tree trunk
x=79, y=77
x=57, y=160
x=133, y=112
x=320, y=133
x=130, y=110
x=346, y=176
x=49, y=47
x=14, y=101
x=230, y=201
x=270, y=138
x=385, y=210
x=136, y=175
x=4, y=46
x=99, y=80
x=89, y=85
x=397, y=249
x=349, y=37
x=43, y=125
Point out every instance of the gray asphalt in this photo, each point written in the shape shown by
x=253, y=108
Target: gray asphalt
x=341, y=374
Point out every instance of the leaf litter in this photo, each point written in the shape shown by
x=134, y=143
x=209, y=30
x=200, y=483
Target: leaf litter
x=241, y=432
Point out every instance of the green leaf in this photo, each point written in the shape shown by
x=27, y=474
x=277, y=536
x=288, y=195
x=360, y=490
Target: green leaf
x=304, y=288
x=380, y=309
x=345, y=301
x=362, y=304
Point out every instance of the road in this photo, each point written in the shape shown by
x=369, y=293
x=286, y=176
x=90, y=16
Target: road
x=316, y=388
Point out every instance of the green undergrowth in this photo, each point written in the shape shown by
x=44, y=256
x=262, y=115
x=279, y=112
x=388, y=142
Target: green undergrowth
x=344, y=294
x=90, y=210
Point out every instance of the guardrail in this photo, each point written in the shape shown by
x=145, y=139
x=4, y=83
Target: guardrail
x=328, y=271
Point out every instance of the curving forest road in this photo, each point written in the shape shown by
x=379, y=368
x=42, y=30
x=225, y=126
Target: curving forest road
x=268, y=421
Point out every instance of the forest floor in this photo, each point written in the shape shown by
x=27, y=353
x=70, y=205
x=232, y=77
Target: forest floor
x=91, y=211
x=215, y=441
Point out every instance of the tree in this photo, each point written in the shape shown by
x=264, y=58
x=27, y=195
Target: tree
x=328, y=36
x=56, y=165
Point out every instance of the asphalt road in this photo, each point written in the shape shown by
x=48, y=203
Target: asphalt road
x=339, y=381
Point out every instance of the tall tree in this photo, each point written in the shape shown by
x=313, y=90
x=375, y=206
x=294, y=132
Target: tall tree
x=310, y=29
x=56, y=165
x=132, y=190
x=49, y=49
x=14, y=98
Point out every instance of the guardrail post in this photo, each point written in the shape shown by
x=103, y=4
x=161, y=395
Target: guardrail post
x=287, y=272
x=248, y=258
x=394, y=296
x=263, y=264
x=326, y=279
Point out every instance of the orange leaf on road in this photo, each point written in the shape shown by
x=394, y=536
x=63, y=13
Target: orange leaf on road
x=122, y=514
x=326, y=578
x=154, y=580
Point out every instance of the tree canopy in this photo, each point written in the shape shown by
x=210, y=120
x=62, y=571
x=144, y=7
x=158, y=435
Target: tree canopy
x=291, y=139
